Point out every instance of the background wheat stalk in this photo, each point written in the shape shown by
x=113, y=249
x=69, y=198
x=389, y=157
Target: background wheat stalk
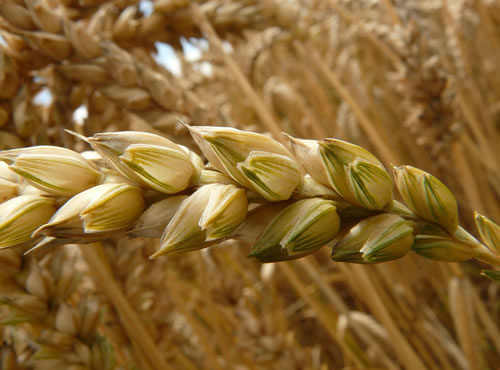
x=417, y=75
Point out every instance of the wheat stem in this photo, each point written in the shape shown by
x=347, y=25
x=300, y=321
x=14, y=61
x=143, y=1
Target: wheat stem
x=377, y=137
x=405, y=352
x=325, y=318
x=486, y=319
x=264, y=114
x=461, y=306
x=101, y=272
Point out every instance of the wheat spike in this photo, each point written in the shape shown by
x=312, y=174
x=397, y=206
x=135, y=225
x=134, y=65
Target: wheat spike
x=372, y=223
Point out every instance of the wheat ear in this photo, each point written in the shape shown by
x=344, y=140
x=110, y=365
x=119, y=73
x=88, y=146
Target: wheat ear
x=253, y=189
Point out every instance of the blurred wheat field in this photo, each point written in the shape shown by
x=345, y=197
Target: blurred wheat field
x=414, y=82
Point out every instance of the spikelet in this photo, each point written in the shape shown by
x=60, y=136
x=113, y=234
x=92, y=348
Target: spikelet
x=100, y=210
x=21, y=216
x=148, y=159
x=376, y=239
x=255, y=161
x=297, y=230
x=427, y=197
x=353, y=172
x=212, y=212
x=47, y=168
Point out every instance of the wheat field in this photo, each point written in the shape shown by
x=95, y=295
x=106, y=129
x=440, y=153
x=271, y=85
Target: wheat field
x=415, y=83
